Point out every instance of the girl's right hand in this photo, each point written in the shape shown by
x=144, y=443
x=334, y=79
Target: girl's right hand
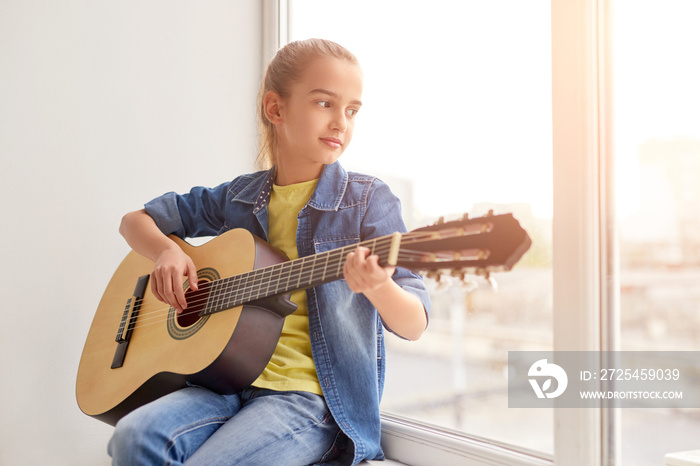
x=166, y=280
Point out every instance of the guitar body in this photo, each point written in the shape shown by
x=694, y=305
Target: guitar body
x=225, y=351
x=138, y=349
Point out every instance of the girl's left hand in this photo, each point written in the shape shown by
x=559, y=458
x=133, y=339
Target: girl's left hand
x=363, y=272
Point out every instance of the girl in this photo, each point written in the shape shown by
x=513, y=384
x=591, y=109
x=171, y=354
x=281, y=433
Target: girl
x=317, y=400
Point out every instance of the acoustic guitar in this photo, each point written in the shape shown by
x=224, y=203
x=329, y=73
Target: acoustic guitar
x=139, y=349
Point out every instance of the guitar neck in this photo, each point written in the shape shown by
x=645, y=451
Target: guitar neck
x=298, y=274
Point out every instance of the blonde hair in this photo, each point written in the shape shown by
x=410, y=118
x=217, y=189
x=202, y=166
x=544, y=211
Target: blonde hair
x=285, y=69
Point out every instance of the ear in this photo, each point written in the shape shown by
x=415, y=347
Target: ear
x=272, y=104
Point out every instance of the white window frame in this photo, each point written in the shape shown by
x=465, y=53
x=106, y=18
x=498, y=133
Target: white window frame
x=586, y=294
x=585, y=291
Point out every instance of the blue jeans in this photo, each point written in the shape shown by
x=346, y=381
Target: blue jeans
x=196, y=426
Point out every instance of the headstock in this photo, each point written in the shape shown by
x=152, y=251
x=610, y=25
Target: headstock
x=479, y=245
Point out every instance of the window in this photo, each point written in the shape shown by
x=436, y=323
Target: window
x=457, y=118
x=657, y=152
x=624, y=229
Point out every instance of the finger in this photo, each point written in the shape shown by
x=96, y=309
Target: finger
x=362, y=253
x=375, y=273
x=350, y=261
x=163, y=288
x=350, y=275
x=373, y=263
x=357, y=261
x=167, y=292
x=192, y=276
x=179, y=293
x=155, y=290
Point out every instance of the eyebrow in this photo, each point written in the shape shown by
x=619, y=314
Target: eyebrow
x=332, y=94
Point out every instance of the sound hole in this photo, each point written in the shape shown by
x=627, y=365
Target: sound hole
x=196, y=301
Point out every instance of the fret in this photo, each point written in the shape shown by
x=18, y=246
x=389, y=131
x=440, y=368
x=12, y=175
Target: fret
x=313, y=266
x=325, y=267
x=341, y=251
x=233, y=287
x=275, y=273
x=289, y=274
x=275, y=279
x=342, y=257
x=318, y=265
x=258, y=282
x=232, y=291
x=284, y=275
x=213, y=296
x=247, y=287
x=266, y=279
x=240, y=289
x=301, y=269
x=220, y=295
x=221, y=300
x=209, y=306
x=295, y=272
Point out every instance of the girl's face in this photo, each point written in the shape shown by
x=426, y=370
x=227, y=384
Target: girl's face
x=316, y=121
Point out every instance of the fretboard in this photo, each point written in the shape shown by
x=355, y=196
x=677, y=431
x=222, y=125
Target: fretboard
x=285, y=277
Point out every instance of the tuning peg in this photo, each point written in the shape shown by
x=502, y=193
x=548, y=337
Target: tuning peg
x=493, y=283
x=467, y=285
x=489, y=213
x=438, y=282
x=487, y=276
x=440, y=221
x=465, y=217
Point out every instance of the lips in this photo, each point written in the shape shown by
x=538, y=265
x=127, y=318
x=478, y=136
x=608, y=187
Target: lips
x=334, y=143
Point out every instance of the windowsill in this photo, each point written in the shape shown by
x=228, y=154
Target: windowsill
x=412, y=443
x=384, y=463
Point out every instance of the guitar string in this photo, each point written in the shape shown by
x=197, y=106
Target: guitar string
x=250, y=286
x=253, y=277
x=247, y=289
x=252, y=280
x=258, y=274
x=160, y=315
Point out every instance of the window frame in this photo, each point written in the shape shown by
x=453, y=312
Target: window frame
x=585, y=291
x=586, y=295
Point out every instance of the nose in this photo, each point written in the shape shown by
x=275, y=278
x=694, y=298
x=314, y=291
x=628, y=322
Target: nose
x=340, y=121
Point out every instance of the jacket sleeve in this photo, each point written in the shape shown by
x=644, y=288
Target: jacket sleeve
x=199, y=212
x=383, y=217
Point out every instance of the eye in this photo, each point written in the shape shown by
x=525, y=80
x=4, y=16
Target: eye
x=351, y=112
x=324, y=103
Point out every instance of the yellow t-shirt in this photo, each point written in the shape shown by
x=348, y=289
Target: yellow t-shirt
x=291, y=366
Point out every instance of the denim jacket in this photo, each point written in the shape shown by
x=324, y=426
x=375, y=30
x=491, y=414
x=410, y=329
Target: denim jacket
x=345, y=329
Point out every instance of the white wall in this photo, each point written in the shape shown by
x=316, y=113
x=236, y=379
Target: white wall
x=103, y=106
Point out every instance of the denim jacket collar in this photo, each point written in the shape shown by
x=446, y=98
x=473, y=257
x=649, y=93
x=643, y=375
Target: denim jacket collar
x=258, y=191
x=327, y=196
x=333, y=181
